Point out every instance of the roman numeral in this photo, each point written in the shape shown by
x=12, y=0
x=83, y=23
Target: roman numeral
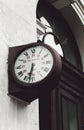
x=46, y=69
x=46, y=55
x=26, y=78
x=20, y=73
x=40, y=73
x=48, y=62
x=25, y=53
x=18, y=67
x=33, y=50
x=33, y=79
x=20, y=60
x=40, y=52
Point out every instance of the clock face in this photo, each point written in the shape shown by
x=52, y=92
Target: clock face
x=33, y=64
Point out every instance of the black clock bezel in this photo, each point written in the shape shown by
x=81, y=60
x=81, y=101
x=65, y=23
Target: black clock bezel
x=19, y=50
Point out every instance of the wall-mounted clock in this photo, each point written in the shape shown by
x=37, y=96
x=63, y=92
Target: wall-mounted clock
x=32, y=68
x=33, y=64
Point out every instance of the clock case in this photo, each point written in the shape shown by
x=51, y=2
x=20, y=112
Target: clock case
x=26, y=91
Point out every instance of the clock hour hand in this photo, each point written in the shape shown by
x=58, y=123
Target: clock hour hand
x=31, y=70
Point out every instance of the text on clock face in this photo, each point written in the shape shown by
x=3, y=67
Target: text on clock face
x=33, y=64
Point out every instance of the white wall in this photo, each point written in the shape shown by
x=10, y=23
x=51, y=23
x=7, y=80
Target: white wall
x=17, y=27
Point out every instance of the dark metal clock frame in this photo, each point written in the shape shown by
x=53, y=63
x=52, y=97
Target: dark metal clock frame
x=26, y=91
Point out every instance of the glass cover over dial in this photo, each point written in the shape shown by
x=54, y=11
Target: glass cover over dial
x=33, y=64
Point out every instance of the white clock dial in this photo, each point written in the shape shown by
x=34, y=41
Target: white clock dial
x=33, y=64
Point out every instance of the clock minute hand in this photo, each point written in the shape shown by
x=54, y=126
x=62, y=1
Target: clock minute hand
x=31, y=70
